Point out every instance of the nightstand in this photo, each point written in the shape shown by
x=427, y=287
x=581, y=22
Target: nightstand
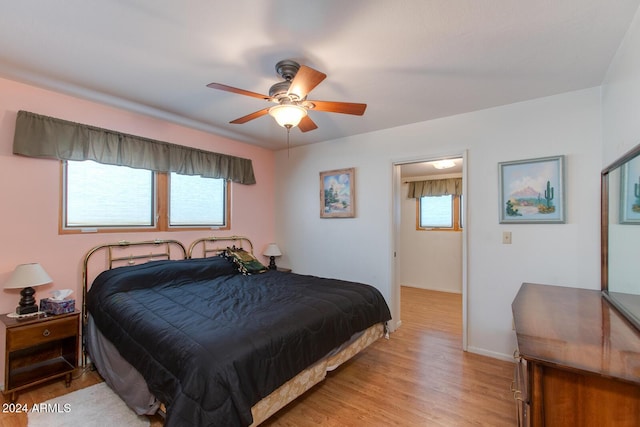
x=284, y=270
x=39, y=349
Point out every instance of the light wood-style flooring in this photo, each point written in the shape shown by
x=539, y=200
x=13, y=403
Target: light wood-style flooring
x=419, y=377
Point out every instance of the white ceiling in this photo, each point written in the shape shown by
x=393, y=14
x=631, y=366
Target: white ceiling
x=409, y=60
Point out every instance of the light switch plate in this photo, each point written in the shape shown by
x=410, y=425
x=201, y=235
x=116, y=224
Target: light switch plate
x=506, y=237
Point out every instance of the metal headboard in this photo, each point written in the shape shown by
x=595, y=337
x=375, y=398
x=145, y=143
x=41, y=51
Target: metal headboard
x=160, y=249
x=211, y=245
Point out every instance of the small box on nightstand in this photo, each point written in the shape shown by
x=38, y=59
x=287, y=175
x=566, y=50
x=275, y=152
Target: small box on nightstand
x=50, y=306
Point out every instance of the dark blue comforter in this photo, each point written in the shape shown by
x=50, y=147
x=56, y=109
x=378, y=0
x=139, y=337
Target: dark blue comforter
x=211, y=342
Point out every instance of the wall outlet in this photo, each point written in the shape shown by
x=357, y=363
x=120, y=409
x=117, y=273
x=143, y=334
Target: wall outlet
x=506, y=237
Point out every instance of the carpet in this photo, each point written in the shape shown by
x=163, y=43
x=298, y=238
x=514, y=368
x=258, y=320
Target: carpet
x=94, y=406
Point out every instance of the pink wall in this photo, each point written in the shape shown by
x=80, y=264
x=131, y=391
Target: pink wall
x=29, y=191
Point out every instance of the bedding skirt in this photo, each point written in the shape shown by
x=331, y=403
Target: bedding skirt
x=127, y=382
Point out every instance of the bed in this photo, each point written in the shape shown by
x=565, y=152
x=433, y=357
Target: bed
x=211, y=345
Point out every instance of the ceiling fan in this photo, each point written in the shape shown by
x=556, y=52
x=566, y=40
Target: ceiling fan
x=290, y=96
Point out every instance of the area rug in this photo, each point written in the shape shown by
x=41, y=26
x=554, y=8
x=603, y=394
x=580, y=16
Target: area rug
x=94, y=406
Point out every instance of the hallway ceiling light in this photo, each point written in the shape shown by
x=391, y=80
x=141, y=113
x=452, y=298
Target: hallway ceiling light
x=444, y=164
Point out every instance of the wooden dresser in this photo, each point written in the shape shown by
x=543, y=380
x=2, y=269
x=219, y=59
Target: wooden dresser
x=578, y=359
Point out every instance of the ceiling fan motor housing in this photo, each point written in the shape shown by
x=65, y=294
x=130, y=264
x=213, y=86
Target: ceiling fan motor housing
x=279, y=89
x=287, y=69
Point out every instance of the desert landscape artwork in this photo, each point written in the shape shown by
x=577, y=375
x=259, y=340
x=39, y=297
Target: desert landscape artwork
x=532, y=191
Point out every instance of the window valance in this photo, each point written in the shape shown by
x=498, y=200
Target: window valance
x=435, y=187
x=49, y=137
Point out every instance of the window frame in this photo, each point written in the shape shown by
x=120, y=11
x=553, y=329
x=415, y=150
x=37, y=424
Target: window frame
x=456, y=215
x=161, y=197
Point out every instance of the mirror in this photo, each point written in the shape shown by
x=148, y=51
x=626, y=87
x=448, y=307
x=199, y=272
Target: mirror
x=620, y=235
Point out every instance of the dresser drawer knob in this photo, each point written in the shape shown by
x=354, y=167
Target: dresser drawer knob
x=46, y=333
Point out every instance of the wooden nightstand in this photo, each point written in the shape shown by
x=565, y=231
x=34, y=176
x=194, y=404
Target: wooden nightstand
x=40, y=349
x=284, y=270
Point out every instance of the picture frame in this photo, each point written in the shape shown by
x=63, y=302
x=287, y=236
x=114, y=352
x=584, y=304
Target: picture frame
x=532, y=191
x=337, y=193
x=630, y=192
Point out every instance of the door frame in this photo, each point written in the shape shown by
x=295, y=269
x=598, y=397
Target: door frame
x=396, y=219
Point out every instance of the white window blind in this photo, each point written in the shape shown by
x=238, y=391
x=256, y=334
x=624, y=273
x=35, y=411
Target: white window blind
x=100, y=195
x=196, y=201
x=436, y=211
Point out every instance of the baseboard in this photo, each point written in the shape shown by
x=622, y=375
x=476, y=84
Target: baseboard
x=393, y=326
x=493, y=354
x=445, y=290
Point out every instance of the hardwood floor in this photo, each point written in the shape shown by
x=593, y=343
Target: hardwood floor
x=419, y=377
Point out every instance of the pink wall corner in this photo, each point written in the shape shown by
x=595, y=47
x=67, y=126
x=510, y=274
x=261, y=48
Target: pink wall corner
x=30, y=190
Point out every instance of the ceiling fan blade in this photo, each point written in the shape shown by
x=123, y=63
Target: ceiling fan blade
x=306, y=124
x=305, y=80
x=340, y=107
x=232, y=89
x=248, y=117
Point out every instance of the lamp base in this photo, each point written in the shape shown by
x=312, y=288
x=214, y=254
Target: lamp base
x=272, y=263
x=27, y=302
x=28, y=309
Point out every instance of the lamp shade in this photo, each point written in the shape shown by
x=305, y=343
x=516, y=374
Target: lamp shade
x=27, y=275
x=272, y=250
x=287, y=115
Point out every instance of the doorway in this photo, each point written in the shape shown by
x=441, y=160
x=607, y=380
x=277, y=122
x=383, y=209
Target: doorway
x=410, y=244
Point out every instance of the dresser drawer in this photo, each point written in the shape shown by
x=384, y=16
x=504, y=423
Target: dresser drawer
x=30, y=335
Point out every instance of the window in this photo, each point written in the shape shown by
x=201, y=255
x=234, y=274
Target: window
x=439, y=213
x=195, y=200
x=108, y=196
x=99, y=197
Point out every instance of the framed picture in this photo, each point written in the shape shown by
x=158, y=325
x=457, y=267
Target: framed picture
x=337, y=193
x=630, y=192
x=532, y=191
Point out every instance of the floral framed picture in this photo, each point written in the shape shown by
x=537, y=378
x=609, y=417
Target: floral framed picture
x=532, y=191
x=337, y=193
x=630, y=192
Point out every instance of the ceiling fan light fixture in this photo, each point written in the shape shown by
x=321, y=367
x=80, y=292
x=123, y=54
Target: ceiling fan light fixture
x=287, y=115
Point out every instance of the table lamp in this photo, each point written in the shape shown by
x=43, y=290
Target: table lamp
x=272, y=251
x=26, y=276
